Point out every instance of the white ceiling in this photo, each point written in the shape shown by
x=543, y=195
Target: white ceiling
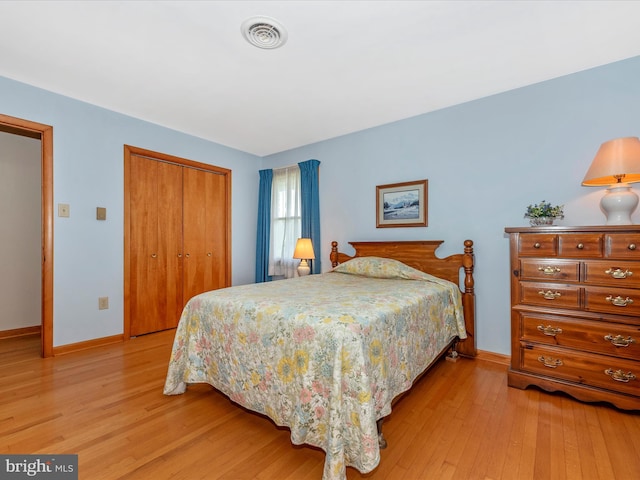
x=347, y=65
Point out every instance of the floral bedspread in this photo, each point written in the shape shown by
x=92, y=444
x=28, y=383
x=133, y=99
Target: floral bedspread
x=323, y=355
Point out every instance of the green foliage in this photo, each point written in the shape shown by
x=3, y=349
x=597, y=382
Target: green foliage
x=544, y=209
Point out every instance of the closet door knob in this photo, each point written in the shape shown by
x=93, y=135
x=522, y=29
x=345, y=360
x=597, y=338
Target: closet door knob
x=153, y=255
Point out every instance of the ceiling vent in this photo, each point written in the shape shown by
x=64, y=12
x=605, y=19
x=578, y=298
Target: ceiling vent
x=264, y=32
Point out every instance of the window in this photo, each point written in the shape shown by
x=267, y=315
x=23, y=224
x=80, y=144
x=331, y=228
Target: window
x=285, y=221
x=288, y=208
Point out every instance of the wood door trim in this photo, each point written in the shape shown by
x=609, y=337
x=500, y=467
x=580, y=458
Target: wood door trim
x=163, y=157
x=44, y=132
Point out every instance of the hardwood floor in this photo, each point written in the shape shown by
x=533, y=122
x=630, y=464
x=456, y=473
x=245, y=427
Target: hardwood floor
x=459, y=421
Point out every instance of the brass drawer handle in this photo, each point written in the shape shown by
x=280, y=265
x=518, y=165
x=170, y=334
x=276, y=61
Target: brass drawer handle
x=618, y=273
x=580, y=246
x=632, y=246
x=153, y=255
x=619, y=301
x=549, y=295
x=550, y=361
x=548, y=269
x=619, y=375
x=537, y=245
x=549, y=330
x=619, y=340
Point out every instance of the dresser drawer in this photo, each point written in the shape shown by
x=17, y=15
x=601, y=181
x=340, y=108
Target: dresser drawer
x=622, y=245
x=580, y=245
x=550, y=295
x=625, y=273
x=582, y=334
x=538, y=244
x=600, y=371
x=550, y=269
x=619, y=301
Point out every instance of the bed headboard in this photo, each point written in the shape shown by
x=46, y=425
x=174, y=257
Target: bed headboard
x=420, y=254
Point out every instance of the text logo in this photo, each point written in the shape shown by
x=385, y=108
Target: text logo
x=41, y=467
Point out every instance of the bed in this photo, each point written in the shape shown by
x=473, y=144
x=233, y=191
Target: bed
x=326, y=355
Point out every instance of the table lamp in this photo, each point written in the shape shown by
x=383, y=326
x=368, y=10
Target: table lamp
x=617, y=164
x=304, y=251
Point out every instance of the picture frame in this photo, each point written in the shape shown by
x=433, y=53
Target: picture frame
x=402, y=204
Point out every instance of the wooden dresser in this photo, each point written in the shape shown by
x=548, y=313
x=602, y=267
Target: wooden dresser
x=575, y=311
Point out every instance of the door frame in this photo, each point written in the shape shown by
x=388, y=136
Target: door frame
x=163, y=157
x=43, y=132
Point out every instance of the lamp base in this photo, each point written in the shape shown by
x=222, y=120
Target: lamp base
x=619, y=203
x=303, y=268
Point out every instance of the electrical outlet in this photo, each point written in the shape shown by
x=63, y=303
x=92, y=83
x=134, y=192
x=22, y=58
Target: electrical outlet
x=103, y=303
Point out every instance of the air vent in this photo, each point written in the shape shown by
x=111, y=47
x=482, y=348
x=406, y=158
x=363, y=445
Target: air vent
x=264, y=32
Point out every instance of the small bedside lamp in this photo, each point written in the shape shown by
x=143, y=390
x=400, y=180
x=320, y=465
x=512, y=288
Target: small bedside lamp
x=304, y=251
x=617, y=164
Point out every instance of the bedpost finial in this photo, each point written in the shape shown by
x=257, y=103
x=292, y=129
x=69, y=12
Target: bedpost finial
x=334, y=254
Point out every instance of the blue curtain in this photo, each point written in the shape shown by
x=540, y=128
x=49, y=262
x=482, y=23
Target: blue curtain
x=310, y=206
x=264, y=226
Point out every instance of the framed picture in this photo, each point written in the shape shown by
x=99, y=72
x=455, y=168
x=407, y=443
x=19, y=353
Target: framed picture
x=402, y=204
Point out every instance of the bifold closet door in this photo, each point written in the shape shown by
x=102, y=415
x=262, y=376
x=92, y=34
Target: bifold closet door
x=156, y=298
x=204, y=231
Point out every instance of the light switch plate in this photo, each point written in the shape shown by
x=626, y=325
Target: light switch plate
x=63, y=209
x=103, y=303
x=101, y=213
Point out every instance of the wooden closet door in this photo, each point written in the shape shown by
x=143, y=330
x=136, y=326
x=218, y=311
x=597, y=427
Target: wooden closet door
x=155, y=244
x=204, y=229
x=217, y=226
x=170, y=244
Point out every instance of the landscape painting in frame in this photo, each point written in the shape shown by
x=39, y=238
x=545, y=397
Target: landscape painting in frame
x=402, y=204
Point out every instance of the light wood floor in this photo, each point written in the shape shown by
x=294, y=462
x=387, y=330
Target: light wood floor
x=106, y=405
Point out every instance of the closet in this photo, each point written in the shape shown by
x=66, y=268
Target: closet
x=177, y=236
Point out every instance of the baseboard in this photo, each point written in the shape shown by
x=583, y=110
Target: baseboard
x=494, y=357
x=97, y=342
x=21, y=332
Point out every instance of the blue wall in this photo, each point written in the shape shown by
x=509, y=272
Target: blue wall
x=89, y=172
x=486, y=161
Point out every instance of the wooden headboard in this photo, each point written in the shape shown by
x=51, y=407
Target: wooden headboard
x=420, y=254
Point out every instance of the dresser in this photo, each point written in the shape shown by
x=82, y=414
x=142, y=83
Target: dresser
x=575, y=311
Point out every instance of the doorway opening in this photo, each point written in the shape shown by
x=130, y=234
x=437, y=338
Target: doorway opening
x=44, y=133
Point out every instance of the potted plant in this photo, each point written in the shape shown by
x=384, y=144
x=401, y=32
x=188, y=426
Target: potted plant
x=544, y=213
